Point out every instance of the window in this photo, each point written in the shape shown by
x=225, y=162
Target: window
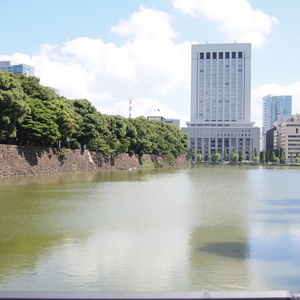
x=207, y=55
x=296, y=130
x=226, y=54
x=240, y=55
x=233, y=55
x=214, y=55
x=201, y=55
x=220, y=55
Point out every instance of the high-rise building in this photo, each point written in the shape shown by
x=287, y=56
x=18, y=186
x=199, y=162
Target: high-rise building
x=221, y=101
x=273, y=106
x=17, y=69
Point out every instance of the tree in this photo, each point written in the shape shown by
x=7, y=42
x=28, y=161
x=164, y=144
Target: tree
x=276, y=159
x=282, y=156
x=217, y=157
x=273, y=156
x=200, y=157
x=39, y=127
x=225, y=154
x=256, y=159
x=13, y=105
x=262, y=156
x=255, y=152
x=234, y=156
x=242, y=156
x=90, y=123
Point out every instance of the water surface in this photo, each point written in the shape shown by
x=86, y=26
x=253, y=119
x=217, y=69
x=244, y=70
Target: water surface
x=201, y=228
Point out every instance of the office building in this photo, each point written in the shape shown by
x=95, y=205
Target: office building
x=17, y=69
x=221, y=101
x=273, y=106
x=5, y=66
x=290, y=138
x=273, y=141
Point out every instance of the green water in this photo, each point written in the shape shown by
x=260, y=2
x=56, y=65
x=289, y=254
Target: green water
x=201, y=228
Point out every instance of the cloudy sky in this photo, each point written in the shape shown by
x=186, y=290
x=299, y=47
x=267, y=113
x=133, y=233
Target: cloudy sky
x=110, y=51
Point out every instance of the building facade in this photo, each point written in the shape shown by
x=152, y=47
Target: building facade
x=273, y=107
x=290, y=138
x=17, y=69
x=175, y=122
x=273, y=141
x=221, y=101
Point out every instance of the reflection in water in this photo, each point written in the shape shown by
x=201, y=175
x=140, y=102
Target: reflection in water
x=202, y=228
x=236, y=250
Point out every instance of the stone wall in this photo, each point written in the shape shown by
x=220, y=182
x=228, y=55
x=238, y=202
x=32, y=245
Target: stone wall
x=28, y=161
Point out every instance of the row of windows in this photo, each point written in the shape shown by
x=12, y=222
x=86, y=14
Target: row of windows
x=220, y=55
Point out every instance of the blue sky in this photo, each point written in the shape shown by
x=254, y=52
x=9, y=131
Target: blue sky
x=110, y=51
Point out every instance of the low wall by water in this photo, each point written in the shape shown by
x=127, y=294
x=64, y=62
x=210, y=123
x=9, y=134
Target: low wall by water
x=28, y=161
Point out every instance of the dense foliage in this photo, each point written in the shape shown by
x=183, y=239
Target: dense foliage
x=34, y=115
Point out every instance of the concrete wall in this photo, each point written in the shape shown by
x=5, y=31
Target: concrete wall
x=29, y=161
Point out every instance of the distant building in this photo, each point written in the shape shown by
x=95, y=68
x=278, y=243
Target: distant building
x=175, y=122
x=5, y=66
x=290, y=138
x=274, y=142
x=220, y=101
x=17, y=69
x=273, y=106
x=271, y=136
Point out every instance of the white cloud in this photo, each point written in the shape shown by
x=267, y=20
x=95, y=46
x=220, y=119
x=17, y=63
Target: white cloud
x=147, y=22
x=235, y=18
x=149, y=66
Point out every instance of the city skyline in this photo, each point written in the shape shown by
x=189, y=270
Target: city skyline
x=110, y=53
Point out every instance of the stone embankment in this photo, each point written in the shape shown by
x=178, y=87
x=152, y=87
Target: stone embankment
x=28, y=161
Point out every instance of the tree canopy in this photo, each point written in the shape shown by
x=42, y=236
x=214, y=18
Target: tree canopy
x=34, y=115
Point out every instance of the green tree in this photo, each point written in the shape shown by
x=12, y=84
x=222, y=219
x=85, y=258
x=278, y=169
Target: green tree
x=217, y=157
x=13, y=105
x=242, y=156
x=282, y=156
x=273, y=156
x=225, y=154
x=276, y=160
x=200, y=157
x=39, y=127
x=256, y=159
x=255, y=152
x=90, y=123
x=262, y=156
x=32, y=87
x=234, y=156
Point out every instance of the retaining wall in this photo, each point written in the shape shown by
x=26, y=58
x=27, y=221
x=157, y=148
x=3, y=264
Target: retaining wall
x=29, y=161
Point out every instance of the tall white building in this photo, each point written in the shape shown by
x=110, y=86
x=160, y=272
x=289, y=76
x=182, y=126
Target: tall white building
x=221, y=100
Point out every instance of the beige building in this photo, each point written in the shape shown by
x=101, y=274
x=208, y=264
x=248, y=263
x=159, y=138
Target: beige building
x=290, y=138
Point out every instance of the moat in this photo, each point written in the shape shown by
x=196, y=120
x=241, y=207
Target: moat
x=199, y=228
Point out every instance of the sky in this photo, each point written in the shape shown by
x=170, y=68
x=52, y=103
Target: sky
x=113, y=51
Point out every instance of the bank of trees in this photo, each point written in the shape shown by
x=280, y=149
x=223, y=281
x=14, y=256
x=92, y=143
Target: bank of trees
x=34, y=115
